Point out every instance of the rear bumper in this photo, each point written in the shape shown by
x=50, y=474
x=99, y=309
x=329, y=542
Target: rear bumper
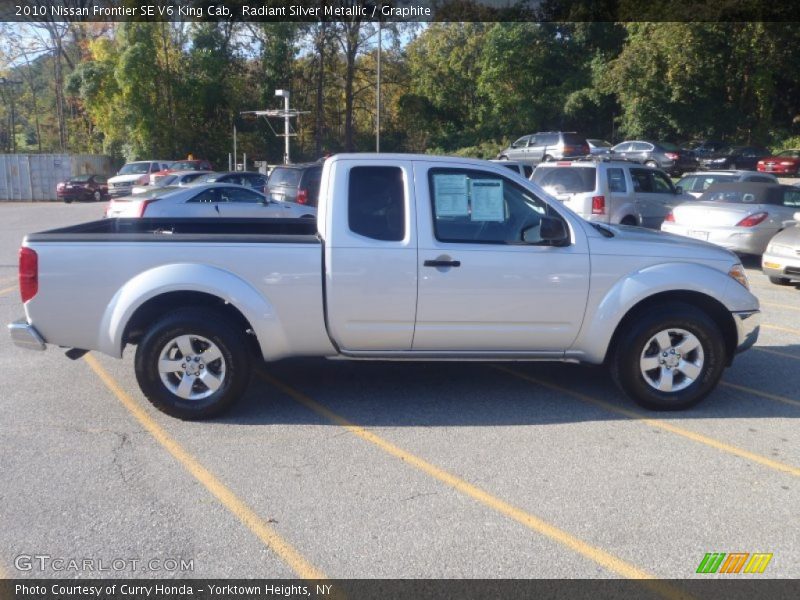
x=735, y=239
x=748, y=326
x=24, y=335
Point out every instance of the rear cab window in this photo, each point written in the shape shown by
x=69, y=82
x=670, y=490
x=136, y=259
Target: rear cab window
x=376, y=203
x=284, y=177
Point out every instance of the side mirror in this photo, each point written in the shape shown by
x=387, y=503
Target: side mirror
x=549, y=229
x=678, y=189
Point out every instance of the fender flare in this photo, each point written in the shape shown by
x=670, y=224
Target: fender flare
x=595, y=336
x=190, y=277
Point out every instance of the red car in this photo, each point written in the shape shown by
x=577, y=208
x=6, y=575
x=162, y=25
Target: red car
x=181, y=165
x=783, y=163
x=83, y=187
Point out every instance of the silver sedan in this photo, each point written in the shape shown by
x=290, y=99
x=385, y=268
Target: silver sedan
x=781, y=261
x=206, y=200
x=741, y=217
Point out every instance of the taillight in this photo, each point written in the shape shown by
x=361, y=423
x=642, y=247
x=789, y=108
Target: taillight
x=672, y=155
x=670, y=218
x=585, y=150
x=28, y=273
x=752, y=220
x=302, y=196
x=143, y=206
x=60, y=186
x=569, y=149
x=564, y=163
x=598, y=205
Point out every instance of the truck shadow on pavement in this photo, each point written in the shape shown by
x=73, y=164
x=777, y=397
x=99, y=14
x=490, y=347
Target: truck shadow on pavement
x=402, y=394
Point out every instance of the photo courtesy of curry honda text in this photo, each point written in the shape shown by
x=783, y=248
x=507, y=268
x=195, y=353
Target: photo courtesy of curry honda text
x=410, y=257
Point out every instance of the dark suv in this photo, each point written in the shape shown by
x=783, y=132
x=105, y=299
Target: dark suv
x=546, y=146
x=295, y=183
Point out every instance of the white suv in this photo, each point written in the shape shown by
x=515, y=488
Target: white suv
x=611, y=191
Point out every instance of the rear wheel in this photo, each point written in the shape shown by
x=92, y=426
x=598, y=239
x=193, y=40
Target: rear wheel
x=97, y=196
x=780, y=280
x=193, y=363
x=629, y=220
x=669, y=358
x=547, y=158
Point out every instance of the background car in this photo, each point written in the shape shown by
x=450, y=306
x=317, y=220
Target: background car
x=781, y=260
x=698, y=182
x=609, y=191
x=734, y=157
x=295, y=183
x=133, y=173
x=546, y=146
x=521, y=168
x=782, y=163
x=182, y=165
x=598, y=146
x=207, y=200
x=741, y=217
x=661, y=155
x=176, y=179
x=250, y=179
x=83, y=187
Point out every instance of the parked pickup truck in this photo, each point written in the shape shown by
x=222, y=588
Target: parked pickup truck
x=411, y=257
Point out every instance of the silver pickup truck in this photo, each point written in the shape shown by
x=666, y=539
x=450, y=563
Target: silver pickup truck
x=411, y=257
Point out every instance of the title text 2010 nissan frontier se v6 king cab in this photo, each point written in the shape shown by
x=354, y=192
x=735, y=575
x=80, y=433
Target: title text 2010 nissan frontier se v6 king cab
x=411, y=257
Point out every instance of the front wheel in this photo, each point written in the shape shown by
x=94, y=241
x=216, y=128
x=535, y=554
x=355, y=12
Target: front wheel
x=669, y=358
x=193, y=363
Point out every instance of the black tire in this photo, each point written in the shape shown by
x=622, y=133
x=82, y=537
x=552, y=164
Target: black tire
x=547, y=158
x=97, y=196
x=629, y=220
x=67, y=200
x=635, y=344
x=780, y=280
x=202, y=325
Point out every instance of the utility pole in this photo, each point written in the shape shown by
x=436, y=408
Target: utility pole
x=378, y=94
x=286, y=113
x=7, y=83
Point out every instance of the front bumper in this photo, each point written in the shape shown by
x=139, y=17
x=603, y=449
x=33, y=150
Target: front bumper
x=778, y=265
x=24, y=335
x=748, y=326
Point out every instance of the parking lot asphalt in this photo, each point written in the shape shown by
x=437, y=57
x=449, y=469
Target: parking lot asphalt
x=409, y=470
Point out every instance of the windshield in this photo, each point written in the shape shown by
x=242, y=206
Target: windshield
x=134, y=168
x=80, y=179
x=185, y=165
x=165, y=181
x=284, y=177
x=669, y=147
x=559, y=180
x=599, y=143
x=789, y=154
x=733, y=197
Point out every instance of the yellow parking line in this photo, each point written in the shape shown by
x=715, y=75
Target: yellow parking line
x=777, y=305
x=5, y=291
x=777, y=352
x=777, y=328
x=593, y=553
x=659, y=424
x=226, y=497
x=768, y=395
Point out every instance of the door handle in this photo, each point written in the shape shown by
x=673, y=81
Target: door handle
x=442, y=263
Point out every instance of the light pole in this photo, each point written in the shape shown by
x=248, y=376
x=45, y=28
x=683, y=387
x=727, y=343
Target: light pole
x=378, y=94
x=285, y=95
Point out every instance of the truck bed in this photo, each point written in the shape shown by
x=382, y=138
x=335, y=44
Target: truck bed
x=299, y=231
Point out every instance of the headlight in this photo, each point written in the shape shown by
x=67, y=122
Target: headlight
x=779, y=249
x=738, y=273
